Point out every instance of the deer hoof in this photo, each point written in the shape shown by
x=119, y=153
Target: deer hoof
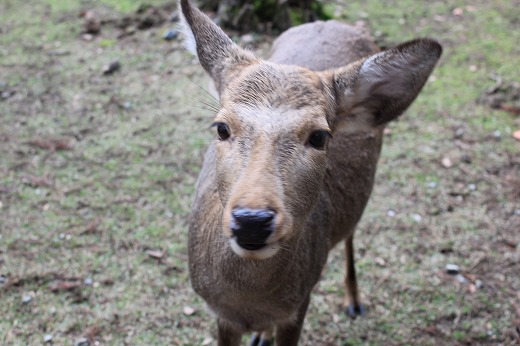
x=354, y=311
x=256, y=340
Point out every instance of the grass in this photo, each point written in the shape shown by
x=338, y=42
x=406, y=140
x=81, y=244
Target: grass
x=96, y=235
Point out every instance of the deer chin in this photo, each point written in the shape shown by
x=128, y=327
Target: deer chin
x=269, y=250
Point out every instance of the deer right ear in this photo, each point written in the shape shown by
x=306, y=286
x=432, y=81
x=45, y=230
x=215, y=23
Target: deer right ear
x=216, y=52
x=377, y=90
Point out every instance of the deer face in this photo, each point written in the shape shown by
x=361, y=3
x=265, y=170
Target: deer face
x=271, y=154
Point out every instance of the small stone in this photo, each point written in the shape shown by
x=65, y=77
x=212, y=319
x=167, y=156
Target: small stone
x=88, y=281
x=380, y=261
x=461, y=278
x=391, y=213
x=446, y=162
x=466, y=158
x=517, y=211
x=87, y=37
x=47, y=338
x=432, y=184
x=170, y=34
x=516, y=135
x=417, y=217
x=472, y=187
x=3, y=279
x=459, y=132
x=452, y=269
x=82, y=342
x=247, y=39
x=26, y=299
x=473, y=68
x=479, y=284
x=111, y=68
x=458, y=11
x=188, y=310
x=497, y=134
x=174, y=17
x=207, y=341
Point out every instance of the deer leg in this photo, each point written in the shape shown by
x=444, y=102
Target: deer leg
x=228, y=336
x=264, y=338
x=351, y=301
x=288, y=334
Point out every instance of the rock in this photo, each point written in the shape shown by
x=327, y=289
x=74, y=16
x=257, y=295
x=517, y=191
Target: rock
x=461, y=278
x=452, y=269
x=3, y=279
x=111, y=68
x=47, y=338
x=446, y=162
x=82, y=342
x=479, y=284
x=174, y=17
x=391, y=213
x=88, y=282
x=27, y=298
x=188, y=310
x=170, y=34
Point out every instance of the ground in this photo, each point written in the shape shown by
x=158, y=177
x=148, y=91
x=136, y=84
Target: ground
x=97, y=175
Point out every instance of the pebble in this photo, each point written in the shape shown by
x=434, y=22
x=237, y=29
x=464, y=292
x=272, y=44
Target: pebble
x=111, y=68
x=461, y=278
x=432, y=184
x=391, y=213
x=417, y=217
x=170, y=34
x=479, y=284
x=82, y=342
x=27, y=298
x=3, y=279
x=452, y=269
x=88, y=281
x=47, y=338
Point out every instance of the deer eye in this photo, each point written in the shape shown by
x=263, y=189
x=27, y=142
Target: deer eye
x=318, y=139
x=222, y=131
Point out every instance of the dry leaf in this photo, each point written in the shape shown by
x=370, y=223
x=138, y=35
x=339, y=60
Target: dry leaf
x=155, y=254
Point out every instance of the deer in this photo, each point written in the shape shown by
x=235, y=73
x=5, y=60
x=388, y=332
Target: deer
x=292, y=166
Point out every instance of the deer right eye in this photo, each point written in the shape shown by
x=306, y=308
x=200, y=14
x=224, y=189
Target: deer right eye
x=222, y=131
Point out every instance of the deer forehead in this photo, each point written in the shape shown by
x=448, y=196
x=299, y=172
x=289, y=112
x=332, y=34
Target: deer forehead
x=271, y=96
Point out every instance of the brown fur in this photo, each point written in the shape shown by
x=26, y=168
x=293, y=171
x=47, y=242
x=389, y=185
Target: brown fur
x=271, y=109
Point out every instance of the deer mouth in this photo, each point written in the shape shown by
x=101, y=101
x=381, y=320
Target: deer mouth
x=251, y=246
x=254, y=251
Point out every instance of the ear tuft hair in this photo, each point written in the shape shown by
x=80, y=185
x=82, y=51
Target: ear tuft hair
x=189, y=39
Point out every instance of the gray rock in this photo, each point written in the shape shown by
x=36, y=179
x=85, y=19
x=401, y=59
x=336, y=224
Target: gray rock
x=170, y=34
x=452, y=269
x=47, y=338
x=82, y=342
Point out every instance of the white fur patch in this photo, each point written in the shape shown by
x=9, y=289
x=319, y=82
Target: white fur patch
x=189, y=39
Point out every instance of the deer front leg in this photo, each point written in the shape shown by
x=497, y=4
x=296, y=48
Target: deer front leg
x=264, y=338
x=351, y=301
x=288, y=334
x=228, y=336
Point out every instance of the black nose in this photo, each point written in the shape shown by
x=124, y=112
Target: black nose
x=252, y=227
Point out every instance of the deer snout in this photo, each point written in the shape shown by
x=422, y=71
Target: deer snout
x=252, y=227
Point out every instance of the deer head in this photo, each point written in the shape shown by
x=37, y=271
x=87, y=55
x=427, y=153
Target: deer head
x=276, y=122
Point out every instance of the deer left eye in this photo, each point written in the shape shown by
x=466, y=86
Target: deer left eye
x=318, y=139
x=222, y=131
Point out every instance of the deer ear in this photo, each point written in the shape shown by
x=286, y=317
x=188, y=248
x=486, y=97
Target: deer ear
x=216, y=52
x=386, y=83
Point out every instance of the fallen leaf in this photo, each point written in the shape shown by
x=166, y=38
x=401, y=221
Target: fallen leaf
x=64, y=286
x=92, y=227
x=155, y=253
x=52, y=144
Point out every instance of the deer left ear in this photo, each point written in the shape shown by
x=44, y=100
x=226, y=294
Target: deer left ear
x=217, y=54
x=380, y=88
